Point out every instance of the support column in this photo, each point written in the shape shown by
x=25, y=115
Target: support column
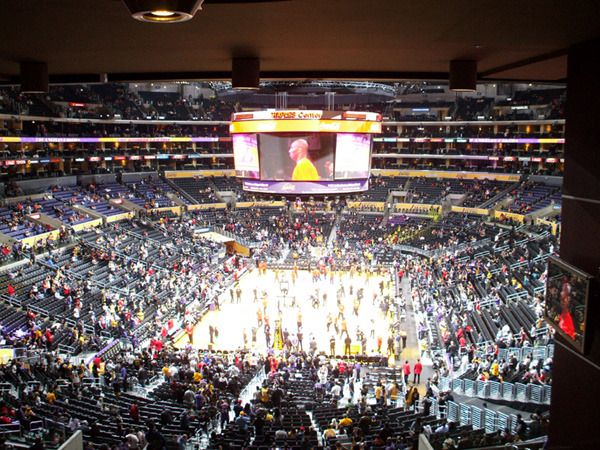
x=575, y=413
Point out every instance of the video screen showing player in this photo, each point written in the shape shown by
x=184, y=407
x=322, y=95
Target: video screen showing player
x=296, y=156
x=245, y=156
x=566, y=294
x=352, y=156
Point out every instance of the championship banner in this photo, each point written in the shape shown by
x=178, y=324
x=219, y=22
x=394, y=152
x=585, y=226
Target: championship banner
x=118, y=217
x=509, y=215
x=421, y=208
x=260, y=204
x=379, y=206
x=206, y=206
x=447, y=174
x=553, y=225
x=52, y=235
x=89, y=224
x=173, y=209
x=465, y=210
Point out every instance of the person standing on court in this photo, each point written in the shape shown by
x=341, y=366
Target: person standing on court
x=406, y=371
x=403, y=336
x=189, y=330
x=417, y=369
x=347, y=345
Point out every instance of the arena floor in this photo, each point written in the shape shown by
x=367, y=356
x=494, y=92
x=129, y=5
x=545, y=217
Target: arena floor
x=238, y=318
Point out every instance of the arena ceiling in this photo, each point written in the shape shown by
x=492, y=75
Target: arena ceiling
x=297, y=39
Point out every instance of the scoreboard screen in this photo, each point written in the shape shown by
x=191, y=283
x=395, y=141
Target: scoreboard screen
x=304, y=152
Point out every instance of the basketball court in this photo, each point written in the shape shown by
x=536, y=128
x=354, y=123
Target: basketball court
x=291, y=297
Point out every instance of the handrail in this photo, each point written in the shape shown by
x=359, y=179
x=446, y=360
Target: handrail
x=489, y=389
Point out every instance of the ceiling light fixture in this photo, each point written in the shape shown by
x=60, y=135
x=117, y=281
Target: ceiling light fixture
x=163, y=11
x=245, y=73
x=463, y=75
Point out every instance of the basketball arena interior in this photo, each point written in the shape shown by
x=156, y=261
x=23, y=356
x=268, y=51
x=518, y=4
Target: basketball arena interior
x=297, y=224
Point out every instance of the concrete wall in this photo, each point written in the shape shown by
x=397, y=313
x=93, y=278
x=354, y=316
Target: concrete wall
x=97, y=179
x=424, y=443
x=75, y=442
x=22, y=198
x=42, y=184
x=550, y=181
x=137, y=176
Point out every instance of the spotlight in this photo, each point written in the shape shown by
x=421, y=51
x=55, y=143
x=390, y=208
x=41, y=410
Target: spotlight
x=34, y=77
x=463, y=76
x=245, y=73
x=163, y=11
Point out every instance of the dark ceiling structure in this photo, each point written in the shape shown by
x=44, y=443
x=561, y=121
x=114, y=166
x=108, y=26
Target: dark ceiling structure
x=97, y=40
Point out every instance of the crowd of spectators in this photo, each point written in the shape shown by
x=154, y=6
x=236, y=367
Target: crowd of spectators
x=105, y=101
x=123, y=291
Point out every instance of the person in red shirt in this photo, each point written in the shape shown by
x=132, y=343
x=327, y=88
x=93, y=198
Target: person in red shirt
x=49, y=339
x=565, y=321
x=406, y=371
x=417, y=369
x=10, y=290
x=273, y=364
x=134, y=412
x=189, y=329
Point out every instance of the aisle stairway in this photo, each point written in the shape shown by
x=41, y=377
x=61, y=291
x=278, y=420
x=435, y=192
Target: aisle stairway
x=333, y=233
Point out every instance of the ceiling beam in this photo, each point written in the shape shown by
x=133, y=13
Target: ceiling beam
x=524, y=62
x=124, y=77
x=226, y=75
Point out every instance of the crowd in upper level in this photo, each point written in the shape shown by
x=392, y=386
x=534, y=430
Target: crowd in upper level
x=121, y=101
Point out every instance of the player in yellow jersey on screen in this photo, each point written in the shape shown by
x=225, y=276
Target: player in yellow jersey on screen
x=305, y=169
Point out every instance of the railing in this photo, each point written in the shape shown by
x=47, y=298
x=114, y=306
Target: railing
x=415, y=250
x=477, y=417
x=503, y=421
x=7, y=429
x=526, y=393
x=489, y=422
x=90, y=381
x=66, y=349
x=487, y=419
x=458, y=248
x=36, y=425
x=13, y=300
x=244, y=241
x=520, y=353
